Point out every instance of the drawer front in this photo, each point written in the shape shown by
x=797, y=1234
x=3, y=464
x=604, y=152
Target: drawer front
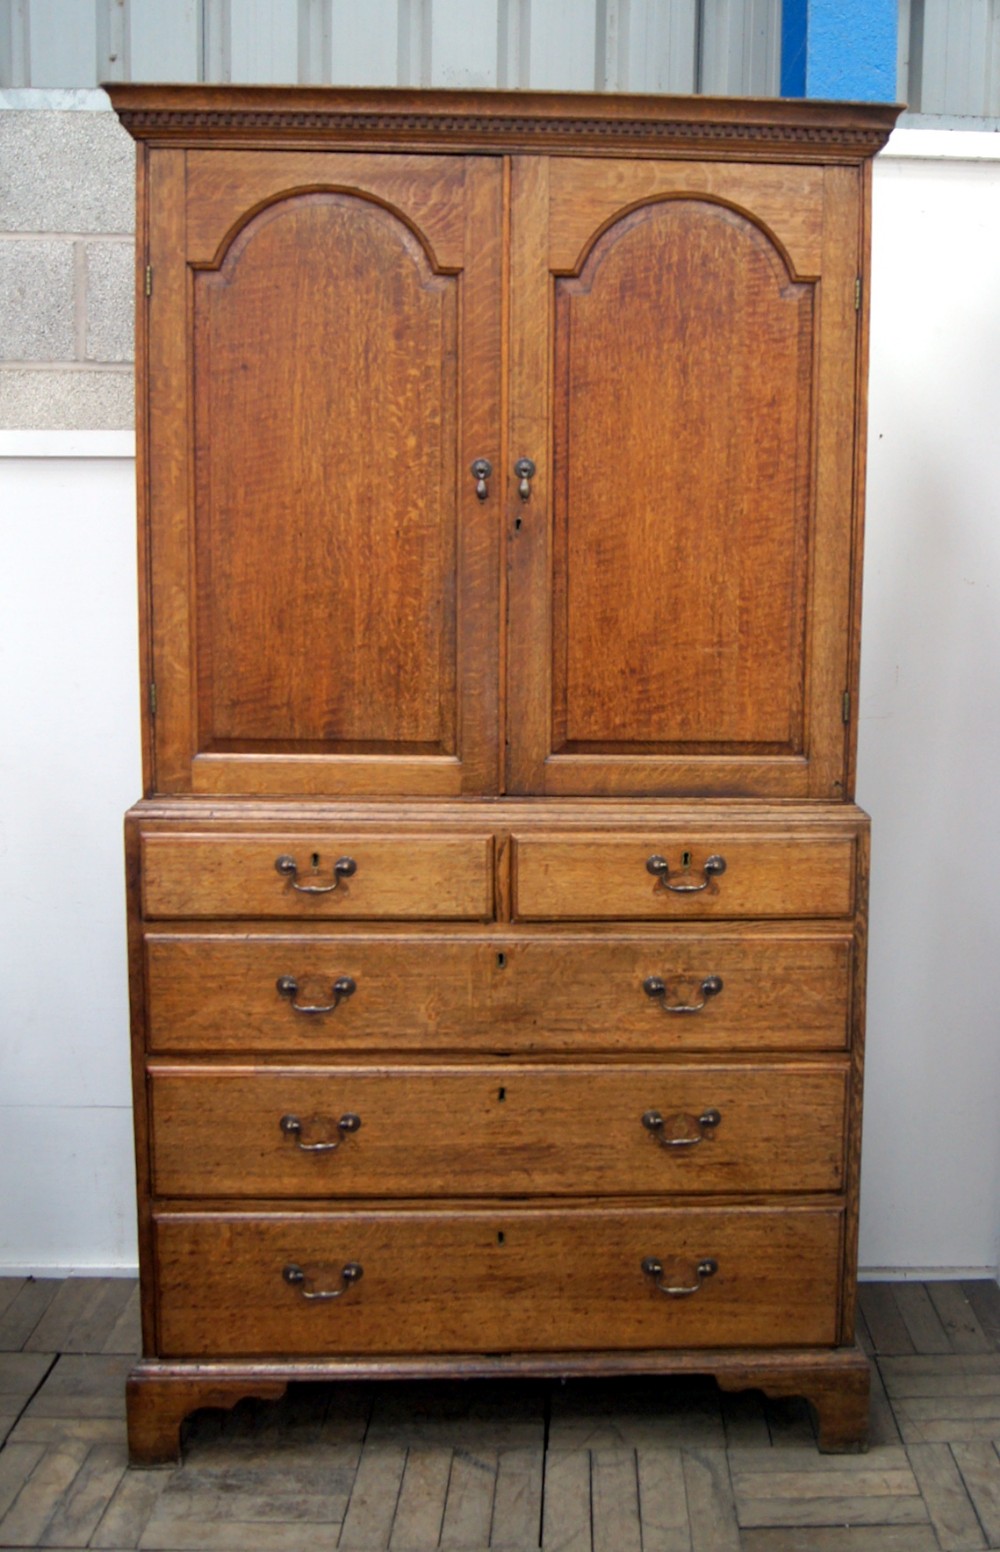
x=496, y=1279
x=545, y=993
x=319, y=876
x=603, y=877
x=498, y=1131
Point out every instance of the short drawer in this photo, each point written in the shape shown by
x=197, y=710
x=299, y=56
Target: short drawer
x=497, y=1130
x=539, y=990
x=496, y=1279
x=347, y=875
x=679, y=875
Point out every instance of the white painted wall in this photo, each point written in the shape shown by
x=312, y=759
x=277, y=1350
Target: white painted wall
x=929, y=758
x=929, y=771
x=69, y=767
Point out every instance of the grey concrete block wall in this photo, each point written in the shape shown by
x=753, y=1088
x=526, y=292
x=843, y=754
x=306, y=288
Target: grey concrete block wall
x=37, y=299
x=67, y=191
x=109, y=268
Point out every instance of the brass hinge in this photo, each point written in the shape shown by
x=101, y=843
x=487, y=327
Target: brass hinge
x=857, y=293
x=845, y=706
x=152, y=699
x=149, y=279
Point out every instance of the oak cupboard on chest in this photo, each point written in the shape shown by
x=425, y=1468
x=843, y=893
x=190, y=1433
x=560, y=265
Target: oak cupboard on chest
x=497, y=901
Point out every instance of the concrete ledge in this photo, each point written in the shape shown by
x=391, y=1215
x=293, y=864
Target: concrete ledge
x=67, y=444
x=944, y=145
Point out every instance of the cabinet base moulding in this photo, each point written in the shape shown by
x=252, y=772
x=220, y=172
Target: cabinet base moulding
x=835, y=1382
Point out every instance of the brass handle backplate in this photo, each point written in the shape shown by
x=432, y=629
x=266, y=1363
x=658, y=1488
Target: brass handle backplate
x=656, y=986
x=344, y=867
x=344, y=986
x=293, y=1127
x=653, y=1268
x=681, y=883
x=296, y=1277
x=681, y=1130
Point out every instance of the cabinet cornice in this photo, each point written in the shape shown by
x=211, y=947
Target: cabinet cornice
x=498, y=122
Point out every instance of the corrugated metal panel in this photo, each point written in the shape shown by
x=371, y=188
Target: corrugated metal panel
x=216, y=35
x=958, y=42
x=164, y=38
x=15, y=67
x=112, y=41
x=513, y=28
x=646, y=47
x=663, y=47
x=264, y=46
x=949, y=52
x=741, y=48
x=464, y=42
x=609, y=45
x=364, y=49
x=562, y=37
x=62, y=43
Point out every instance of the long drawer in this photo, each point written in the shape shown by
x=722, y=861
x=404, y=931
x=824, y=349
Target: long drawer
x=716, y=990
x=356, y=875
x=671, y=875
x=497, y=1279
x=497, y=1130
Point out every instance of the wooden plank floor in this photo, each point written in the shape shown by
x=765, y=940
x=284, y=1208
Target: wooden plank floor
x=616, y=1466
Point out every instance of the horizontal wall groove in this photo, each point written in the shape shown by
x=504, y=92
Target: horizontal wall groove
x=121, y=368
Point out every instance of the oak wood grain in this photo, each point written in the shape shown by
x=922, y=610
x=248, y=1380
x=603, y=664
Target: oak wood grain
x=493, y=1131
x=607, y=876
x=343, y=575
x=395, y=876
x=519, y=1279
x=663, y=302
x=518, y=990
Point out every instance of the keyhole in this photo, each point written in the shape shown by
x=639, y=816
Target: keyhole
x=501, y=961
x=501, y=1095
x=517, y=524
x=685, y=860
x=500, y=1236
x=315, y=859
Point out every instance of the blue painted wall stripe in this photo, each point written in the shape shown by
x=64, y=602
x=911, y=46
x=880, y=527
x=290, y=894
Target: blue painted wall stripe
x=841, y=49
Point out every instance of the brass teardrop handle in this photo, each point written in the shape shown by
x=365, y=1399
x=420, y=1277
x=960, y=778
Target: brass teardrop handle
x=654, y=1269
x=525, y=471
x=660, y=867
x=481, y=470
x=292, y=1127
x=343, y=986
x=349, y=1275
x=344, y=867
x=656, y=986
x=681, y=1131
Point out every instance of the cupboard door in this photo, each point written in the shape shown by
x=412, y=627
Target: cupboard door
x=324, y=346
x=684, y=344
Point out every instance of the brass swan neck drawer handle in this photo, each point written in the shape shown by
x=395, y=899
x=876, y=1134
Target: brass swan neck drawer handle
x=344, y=867
x=292, y=1127
x=481, y=469
x=682, y=1131
x=349, y=1275
x=654, y=1269
x=656, y=986
x=344, y=986
x=711, y=868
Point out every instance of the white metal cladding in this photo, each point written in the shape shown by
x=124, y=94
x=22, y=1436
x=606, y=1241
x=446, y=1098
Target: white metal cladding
x=949, y=53
x=717, y=46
